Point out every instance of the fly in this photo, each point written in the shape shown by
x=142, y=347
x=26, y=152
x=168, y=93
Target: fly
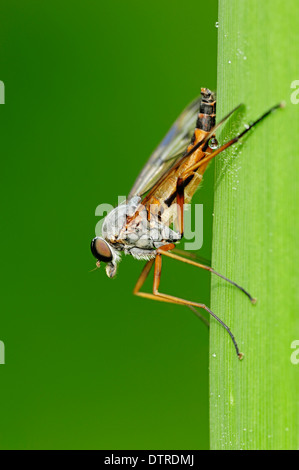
x=141, y=225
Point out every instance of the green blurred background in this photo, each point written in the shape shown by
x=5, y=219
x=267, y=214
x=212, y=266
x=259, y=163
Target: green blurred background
x=91, y=89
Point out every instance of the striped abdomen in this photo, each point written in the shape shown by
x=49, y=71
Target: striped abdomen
x=207, y=112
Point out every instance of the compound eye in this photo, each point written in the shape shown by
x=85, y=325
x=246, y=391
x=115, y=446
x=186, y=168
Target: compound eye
x=101, y=250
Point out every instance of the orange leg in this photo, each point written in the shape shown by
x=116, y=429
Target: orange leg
x=205, y=141
x=180, y=204
x=228, y=144
x=188, y=254
x=156, y=295
x=207, y=268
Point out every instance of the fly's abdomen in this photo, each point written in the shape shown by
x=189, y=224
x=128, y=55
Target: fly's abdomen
x=207, y=112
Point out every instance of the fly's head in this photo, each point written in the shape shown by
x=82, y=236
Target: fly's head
x=104, y=252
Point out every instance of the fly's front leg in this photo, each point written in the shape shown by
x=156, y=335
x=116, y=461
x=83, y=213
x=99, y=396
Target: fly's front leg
x=143, y=276
x=156, y=295
x=177, y=300
x=141, y=280
x=211, y=270
x=180, y=203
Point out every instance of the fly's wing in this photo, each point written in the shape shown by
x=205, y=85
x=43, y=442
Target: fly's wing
x=169, y=151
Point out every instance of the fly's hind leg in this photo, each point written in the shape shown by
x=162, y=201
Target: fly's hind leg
x=156, y=295
x=212, y=155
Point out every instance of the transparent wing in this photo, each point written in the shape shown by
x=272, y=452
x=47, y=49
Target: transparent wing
x=169, y=151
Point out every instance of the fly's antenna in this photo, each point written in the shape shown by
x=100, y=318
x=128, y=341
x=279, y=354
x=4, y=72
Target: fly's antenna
x=97, y=267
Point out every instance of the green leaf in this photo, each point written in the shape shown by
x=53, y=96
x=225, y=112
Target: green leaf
x=254, y=403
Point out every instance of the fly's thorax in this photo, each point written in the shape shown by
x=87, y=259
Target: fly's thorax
x=116, y=219
x=134, y=229
x=144, y=230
